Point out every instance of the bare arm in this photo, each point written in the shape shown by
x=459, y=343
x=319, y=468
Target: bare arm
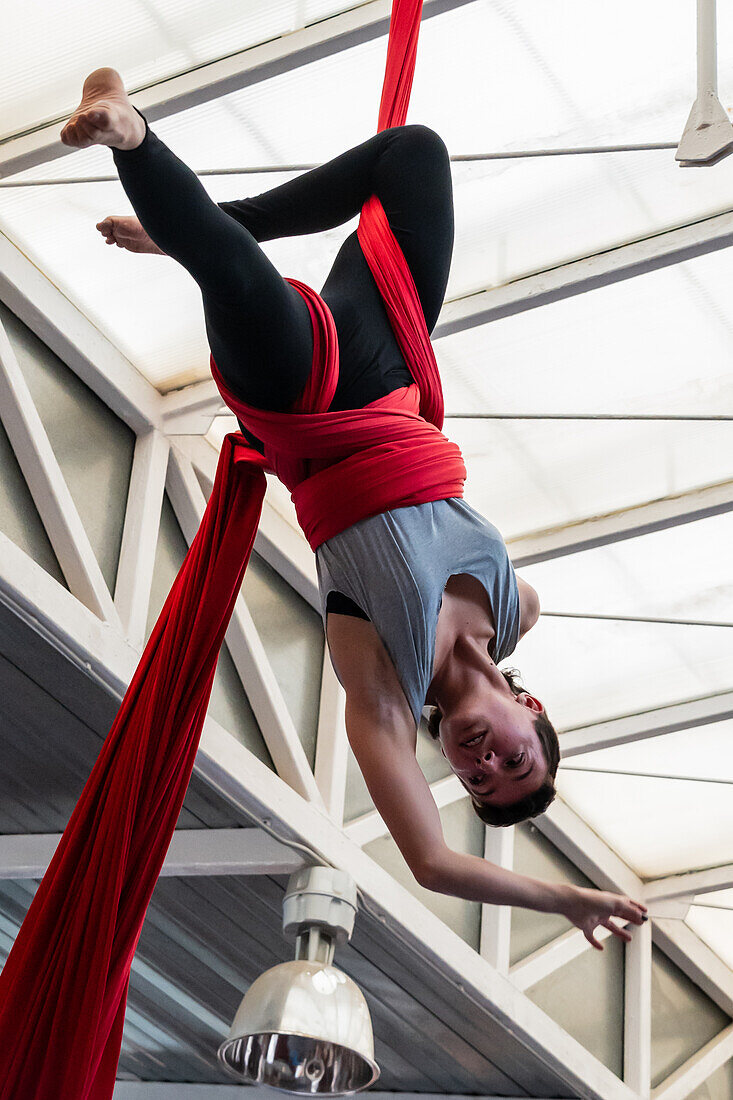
x=382, y=734
x=529, y=606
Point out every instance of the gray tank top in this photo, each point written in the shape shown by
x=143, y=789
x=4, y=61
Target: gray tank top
x=396, y=565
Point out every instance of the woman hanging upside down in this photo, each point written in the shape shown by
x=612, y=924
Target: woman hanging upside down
x=420, y=603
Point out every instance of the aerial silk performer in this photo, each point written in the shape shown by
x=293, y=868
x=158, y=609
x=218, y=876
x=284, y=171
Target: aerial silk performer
x=338, y=393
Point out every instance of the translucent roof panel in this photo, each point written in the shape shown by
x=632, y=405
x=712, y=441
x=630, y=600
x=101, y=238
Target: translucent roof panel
x=704, y=753
x=657, y=826
x=715, y=926
x=512, y=217
x=532, y=73
x=586, y=671
x=151, y=41
x=658, y=343
x=683, y=775
x=148, y=306
x=530, y=475
x=680, y=573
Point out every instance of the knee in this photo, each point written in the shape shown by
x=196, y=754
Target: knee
x=420, y=141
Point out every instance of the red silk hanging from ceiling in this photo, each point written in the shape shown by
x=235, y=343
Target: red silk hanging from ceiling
x=63, y=989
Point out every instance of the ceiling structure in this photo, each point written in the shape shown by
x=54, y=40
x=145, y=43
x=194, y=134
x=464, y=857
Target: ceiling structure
x=585, y=352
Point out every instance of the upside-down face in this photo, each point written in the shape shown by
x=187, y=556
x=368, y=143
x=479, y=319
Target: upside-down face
x=491, y=745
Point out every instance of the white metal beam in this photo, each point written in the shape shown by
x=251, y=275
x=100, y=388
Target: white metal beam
x=282, y=545
x=192, y=852
x=204, y=83
x=690, y=884
x=332, y=745
x=590, y=273
x=626, y=523
x=496, y=920
x=48, y=487
x=190, y=410
x=651, y=723
x=545, y=960
x=576, y=840
x=370, y=826
x=140, y=533
x=71, y=335
x=246, y=649
x=696, y=1070
x=638, y=1011
x=701, y=965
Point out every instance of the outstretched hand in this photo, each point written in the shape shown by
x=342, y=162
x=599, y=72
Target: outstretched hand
x=126, y=232
x=589, y=908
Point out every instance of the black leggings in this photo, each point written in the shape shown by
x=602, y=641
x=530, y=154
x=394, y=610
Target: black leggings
x=258, y=326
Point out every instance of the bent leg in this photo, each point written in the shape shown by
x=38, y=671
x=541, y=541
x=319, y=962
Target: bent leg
x=259, y=327
x=407, y=167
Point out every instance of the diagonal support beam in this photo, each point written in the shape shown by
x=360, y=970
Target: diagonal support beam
x=696, y=1070
x=192, y=852
x=49, y=490
x=62, y=326
x=590, y=273
x=247, y=651
x=190, y=410
x=701, y=965
x=652, y=723
x=205, y=83
x=140, y=534
x=546, y=960
x=627, y=523
x=278, y=542
x=332, y=745
x=691, y=884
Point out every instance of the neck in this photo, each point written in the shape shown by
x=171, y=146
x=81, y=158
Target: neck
x=461, y=650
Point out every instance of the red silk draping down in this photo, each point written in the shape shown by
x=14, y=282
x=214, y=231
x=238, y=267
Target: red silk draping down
x=63, y=989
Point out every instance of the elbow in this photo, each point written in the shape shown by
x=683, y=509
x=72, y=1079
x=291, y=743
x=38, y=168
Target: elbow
x=431, y=875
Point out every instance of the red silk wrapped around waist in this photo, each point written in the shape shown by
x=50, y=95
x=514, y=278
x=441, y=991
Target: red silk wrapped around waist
x=342, y=467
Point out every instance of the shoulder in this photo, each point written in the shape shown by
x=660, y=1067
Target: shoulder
x=364, y=667
x=529, y=606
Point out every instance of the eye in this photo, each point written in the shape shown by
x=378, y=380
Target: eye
x=474, y=740
x=516, y=760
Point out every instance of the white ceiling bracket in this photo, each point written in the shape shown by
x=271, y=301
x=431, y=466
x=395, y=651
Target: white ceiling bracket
x=708, y=135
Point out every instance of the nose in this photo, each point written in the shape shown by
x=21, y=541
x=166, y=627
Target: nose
x=487, y=761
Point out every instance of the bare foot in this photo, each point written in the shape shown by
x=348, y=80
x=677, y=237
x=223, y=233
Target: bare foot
x=126, y=232
x=105, y=115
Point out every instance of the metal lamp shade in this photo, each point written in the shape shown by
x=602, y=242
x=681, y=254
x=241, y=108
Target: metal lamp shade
x=303, y=1027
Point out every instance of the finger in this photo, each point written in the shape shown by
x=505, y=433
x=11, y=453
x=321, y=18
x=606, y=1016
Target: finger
x=629, y=910
x=622, y=933
x=592, y=940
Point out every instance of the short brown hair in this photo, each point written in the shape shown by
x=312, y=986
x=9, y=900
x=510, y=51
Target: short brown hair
x=535, y=803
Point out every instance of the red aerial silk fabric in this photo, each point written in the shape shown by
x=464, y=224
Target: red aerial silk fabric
x=64, y=986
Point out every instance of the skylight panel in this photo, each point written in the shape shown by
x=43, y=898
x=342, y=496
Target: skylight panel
x=659, y=827
x=588, y=671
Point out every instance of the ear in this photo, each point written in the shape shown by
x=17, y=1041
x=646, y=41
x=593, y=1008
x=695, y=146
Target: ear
x=530, y=701
x=442, y=749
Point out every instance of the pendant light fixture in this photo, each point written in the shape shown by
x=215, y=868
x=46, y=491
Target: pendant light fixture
x=304, y=1026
